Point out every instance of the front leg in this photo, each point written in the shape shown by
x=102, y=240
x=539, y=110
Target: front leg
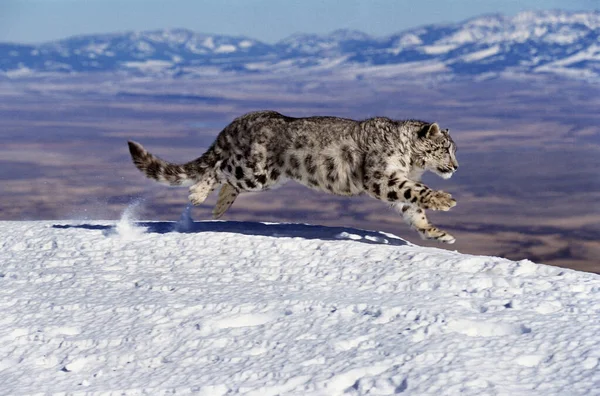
x=411, y=199
x=401, y=190
x=416, y=219
x=426, y=198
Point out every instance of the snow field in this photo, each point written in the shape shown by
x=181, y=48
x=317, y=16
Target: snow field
x=269, y=309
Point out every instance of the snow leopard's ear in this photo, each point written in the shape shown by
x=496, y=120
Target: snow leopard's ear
x=429, y=131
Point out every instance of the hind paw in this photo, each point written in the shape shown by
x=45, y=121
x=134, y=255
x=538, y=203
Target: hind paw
x=196, y=199
x=200, y=191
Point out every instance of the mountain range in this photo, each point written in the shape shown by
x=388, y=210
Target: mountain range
x=559, y=43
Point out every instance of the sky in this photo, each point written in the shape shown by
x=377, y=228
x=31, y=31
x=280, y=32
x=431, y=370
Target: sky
x=32, y=21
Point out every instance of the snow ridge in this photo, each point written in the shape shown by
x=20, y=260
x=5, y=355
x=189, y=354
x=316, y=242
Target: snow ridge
x=257, y=308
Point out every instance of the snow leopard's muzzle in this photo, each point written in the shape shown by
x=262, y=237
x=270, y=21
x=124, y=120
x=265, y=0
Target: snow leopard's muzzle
x=446, y=172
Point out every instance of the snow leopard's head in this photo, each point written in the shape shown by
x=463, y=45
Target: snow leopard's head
x=435, y=151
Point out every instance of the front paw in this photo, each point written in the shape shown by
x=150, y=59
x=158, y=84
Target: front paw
x=436, y=234
x=439, y=200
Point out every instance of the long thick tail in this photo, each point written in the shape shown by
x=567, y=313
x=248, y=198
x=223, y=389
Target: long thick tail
x=168, y=173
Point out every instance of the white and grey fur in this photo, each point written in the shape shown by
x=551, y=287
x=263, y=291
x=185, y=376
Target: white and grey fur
x=381, y=157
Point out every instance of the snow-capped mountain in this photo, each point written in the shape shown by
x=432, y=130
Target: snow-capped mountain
x=556, y=42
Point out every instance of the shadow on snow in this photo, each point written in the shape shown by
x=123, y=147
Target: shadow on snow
x=305, y=231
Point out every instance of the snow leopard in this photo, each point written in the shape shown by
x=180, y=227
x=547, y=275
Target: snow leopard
x=381, y=157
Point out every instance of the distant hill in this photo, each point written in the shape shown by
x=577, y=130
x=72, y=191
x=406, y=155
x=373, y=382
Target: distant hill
x=539, y=43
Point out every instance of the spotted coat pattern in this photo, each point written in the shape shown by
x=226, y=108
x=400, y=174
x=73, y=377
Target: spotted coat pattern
x=381, y=157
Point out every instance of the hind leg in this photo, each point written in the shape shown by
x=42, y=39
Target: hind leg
x=234, y=186
x=227, y=196
x=202, y=189
x=415, y=217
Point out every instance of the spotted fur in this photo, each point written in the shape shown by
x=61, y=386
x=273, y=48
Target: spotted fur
x=381, y=157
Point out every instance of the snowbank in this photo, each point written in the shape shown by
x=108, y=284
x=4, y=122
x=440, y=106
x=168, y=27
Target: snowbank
x=271, y=309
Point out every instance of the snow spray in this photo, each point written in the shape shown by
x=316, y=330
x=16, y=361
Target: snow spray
x=126, y=227
x=185, y=222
